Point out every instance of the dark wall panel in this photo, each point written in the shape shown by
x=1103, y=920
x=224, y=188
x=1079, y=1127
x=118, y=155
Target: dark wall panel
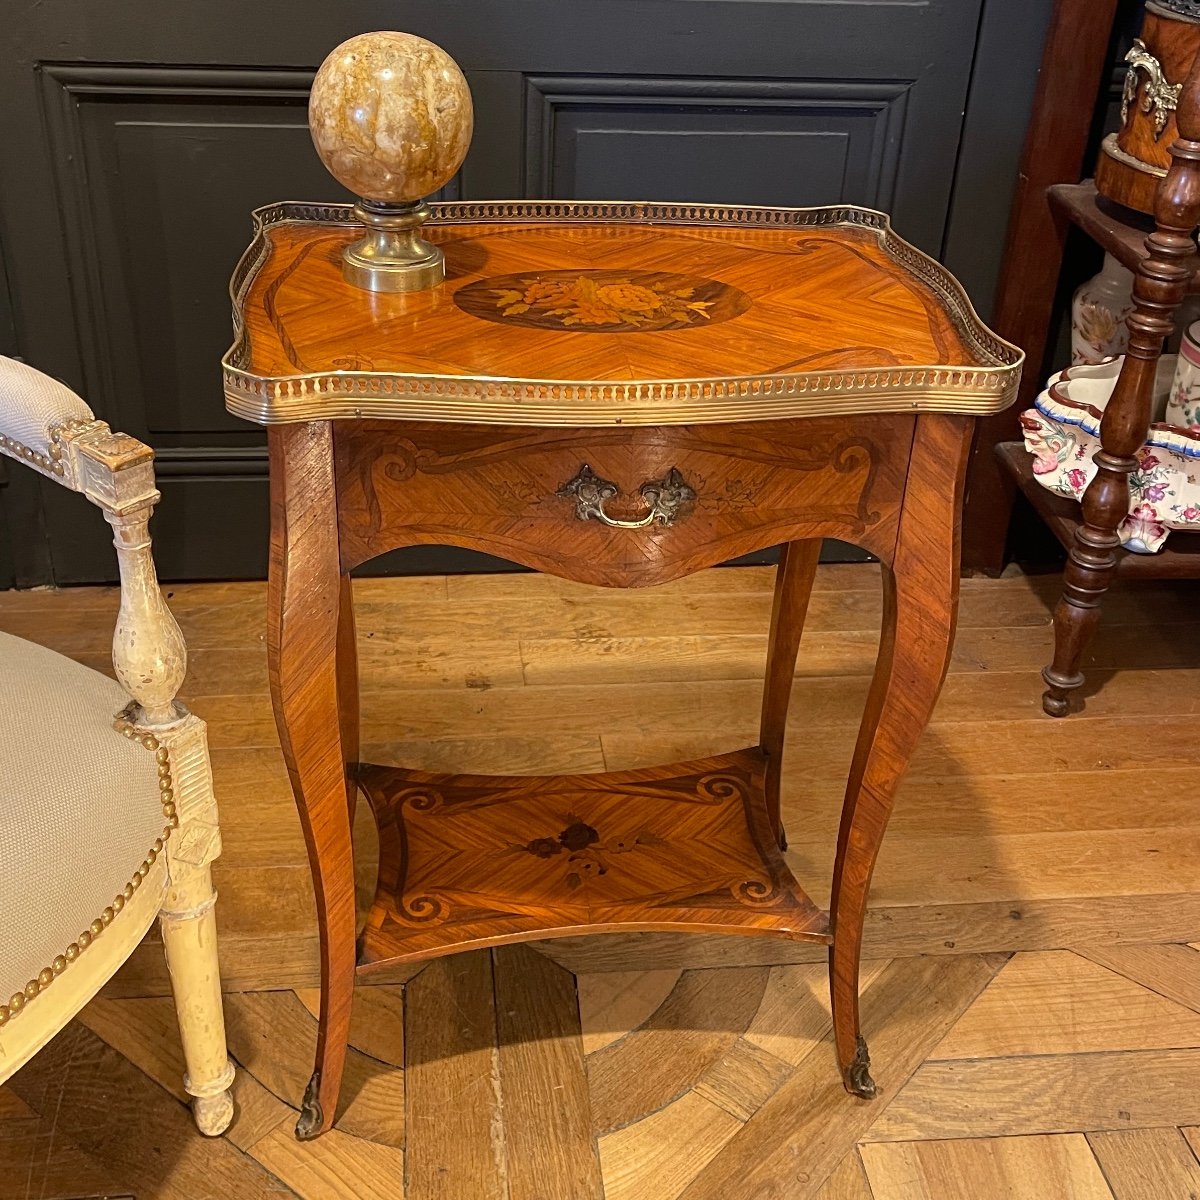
x=714, y=141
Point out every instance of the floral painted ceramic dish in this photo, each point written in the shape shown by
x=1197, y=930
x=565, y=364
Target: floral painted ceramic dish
x=1062, y=432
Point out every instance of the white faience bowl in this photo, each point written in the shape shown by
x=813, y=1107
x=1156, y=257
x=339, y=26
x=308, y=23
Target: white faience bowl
x=1062, y=432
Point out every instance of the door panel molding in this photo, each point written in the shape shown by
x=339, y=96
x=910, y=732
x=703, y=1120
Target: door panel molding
x=102, y=297
x=851, y=110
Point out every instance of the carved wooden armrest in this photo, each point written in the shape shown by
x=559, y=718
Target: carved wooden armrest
x=47, y=426
x=44, y=424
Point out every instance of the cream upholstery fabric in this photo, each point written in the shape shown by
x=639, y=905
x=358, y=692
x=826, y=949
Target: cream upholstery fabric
x=32, y=403
x=79, y=805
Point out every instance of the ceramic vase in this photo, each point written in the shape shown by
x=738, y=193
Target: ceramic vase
x=1183, y=403
x=1098, y=312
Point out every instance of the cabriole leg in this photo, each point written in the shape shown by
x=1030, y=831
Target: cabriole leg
x=793, y=587
x=920, y=593
x=347, y=679
x=304, y=601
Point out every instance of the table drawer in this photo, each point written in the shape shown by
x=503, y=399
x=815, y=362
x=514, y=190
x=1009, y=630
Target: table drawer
x=621, y=506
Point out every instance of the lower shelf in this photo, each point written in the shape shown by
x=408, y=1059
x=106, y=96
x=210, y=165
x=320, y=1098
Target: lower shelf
x=1178, y=559
x=478, y=860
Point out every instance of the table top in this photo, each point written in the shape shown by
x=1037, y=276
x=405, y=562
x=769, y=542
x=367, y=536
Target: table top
x=603, y=313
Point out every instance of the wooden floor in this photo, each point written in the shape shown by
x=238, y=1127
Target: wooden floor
x=1033, y=991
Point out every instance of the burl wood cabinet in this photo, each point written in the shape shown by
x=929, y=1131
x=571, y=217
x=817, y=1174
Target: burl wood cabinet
x=619, y=394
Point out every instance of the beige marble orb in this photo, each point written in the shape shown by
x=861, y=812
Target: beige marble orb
x=391, y=117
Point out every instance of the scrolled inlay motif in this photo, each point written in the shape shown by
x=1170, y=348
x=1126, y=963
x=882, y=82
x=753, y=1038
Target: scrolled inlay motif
x=425, y=909
x=720, y=787
x=511, y=857
x=757, y=891
x=423, y=800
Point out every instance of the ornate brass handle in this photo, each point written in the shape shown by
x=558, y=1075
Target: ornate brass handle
x=666, y=496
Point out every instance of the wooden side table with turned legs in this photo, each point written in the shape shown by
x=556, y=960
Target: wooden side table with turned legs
x=619, y=394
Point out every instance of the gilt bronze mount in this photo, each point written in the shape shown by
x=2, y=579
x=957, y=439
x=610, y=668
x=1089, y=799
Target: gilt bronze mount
x=666, y=497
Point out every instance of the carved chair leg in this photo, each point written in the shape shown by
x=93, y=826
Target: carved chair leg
x=189, y=931
x=150, y=660
x=793, y=587
x=189, y=927
x=920, y=606
x=304, y=600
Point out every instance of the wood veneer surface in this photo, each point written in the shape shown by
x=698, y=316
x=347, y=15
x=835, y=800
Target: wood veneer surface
x=486, y=859
x=633, y=302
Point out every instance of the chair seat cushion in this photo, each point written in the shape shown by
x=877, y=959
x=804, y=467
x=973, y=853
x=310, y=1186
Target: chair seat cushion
x=79, y=805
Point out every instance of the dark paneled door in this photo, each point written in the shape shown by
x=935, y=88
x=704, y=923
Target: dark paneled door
x=137, y=138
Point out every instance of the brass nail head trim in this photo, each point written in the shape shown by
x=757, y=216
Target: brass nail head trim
x=95, y=928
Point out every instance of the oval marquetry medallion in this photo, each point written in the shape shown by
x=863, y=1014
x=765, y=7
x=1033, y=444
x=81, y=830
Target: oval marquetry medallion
x=602, y=301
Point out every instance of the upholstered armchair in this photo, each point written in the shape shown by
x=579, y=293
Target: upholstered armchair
x=107, y=815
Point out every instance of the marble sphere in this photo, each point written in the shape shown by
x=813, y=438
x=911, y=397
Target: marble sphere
x=390, y=115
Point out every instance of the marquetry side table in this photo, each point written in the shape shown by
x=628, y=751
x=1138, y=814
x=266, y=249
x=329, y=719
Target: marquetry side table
x=620, y=394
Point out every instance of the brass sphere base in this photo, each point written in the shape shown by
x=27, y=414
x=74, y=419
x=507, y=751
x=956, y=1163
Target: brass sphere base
x=392, y=257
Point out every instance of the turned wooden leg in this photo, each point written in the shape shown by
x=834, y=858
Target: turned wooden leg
x=1159, y=286
x=189, y=932
x=189, y=927
x=920, y=591
x=793, y=587
x=1087, y=577
x=150, y=660
x=1093, y=557
x=304, y=598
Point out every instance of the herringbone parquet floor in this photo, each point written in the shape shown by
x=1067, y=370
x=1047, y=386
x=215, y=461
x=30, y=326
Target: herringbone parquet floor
x=1032, y=996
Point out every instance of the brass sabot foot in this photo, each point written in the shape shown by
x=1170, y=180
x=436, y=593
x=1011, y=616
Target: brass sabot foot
x=858, y=1073
x=311, y=1115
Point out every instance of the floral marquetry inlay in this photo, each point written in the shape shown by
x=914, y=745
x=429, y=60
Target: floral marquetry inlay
x=603, y=301
x=469, y=859
x=581, y=850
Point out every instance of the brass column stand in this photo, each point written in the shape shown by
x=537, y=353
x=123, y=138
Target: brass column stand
x=393, y=257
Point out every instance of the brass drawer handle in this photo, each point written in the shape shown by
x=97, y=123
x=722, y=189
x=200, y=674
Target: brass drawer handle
x=666, y=496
